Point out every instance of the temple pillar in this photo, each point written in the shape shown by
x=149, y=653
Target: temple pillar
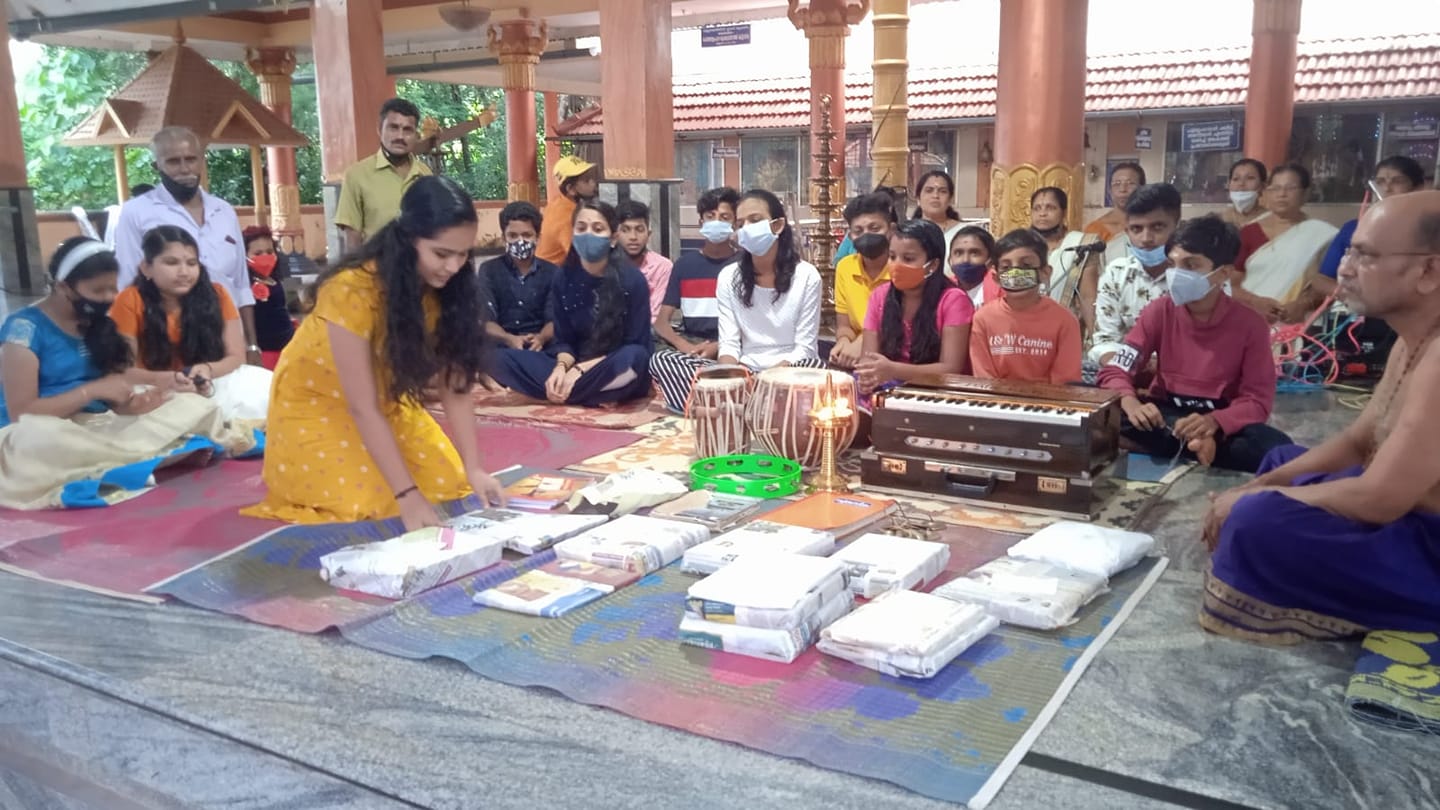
x=1040, y=112
x=826, y=24
x=518, y=44
x=20, y=267
x=889, y=130
x=1270, y=97
x=274, y=68
x=552, y=144
x=350, y=86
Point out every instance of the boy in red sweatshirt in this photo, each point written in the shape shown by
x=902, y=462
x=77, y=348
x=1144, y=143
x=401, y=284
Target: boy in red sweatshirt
x=1215, y=377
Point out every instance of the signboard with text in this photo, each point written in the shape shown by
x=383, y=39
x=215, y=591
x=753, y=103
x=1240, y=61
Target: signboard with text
x=1143, y=139
x=1210, y=136
x=720, y=36
x=724, y=152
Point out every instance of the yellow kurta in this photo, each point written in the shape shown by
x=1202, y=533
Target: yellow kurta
x=317, y=469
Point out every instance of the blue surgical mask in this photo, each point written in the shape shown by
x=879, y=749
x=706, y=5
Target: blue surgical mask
x=592, y=247
x=969, y=273
x=756, y=238
x=1187, y=286
x=716, y=231
x=1149, y=257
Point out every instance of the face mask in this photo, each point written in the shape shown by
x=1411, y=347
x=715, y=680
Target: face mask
x=87, y=310
x=395, y=159
x=969, y=273
x=1187, y=286
x=263, y=264
x=907, y=276
x=716, y=231
x=592, y=247
x=1149, y=257
x=756, y=238
x=872, y=245
x=1244, y=200
x=1047, y=233
x=1017, y=279
x=521, y=249
x=182, y=192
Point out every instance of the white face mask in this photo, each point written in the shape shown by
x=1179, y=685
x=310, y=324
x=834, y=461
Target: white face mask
x=757, y=238
x=1244, y=200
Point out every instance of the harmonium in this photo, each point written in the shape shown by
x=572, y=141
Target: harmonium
x=1015, y=445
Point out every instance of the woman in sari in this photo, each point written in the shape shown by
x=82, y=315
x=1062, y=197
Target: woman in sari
x=1280, y=253
x=1247, y=183
x=1125, y=179
x=1074, y=276
x=936, y=193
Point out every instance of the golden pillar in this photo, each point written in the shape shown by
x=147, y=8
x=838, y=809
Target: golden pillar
x=274, y=67
x=889, y=130
x=1270, y=97
x=1040, y=109
x=518, y=44
x=826, y=24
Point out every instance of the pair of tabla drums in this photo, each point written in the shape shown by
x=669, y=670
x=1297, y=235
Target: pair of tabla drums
x=729, y=407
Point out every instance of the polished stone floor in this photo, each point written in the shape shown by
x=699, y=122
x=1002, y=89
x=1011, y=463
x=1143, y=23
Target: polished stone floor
x=109, y=704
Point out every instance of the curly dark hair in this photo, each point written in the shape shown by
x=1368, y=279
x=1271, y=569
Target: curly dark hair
x=457, y=349
x=108, y=350
x=925, y=330
x=607, y=331
x=787, y=257
x=202, y=327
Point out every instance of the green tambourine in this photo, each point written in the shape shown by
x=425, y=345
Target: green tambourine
x=754, y=475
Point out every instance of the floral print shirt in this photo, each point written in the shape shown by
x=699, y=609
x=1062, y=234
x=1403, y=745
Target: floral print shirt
x=1125, y=290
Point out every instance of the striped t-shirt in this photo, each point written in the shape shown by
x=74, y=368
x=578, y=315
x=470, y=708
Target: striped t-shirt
x=692, y=291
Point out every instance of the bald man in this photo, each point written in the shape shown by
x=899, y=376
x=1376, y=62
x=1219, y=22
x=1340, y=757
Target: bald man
x=179, y=201
x=1344, y=538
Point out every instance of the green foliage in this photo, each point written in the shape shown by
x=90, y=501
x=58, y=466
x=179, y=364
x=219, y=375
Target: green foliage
x=476, y=161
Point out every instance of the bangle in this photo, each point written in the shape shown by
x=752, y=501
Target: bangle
x=402, y=493
x=253, y=348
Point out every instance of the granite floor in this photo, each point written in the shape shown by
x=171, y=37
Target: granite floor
x=110, y=704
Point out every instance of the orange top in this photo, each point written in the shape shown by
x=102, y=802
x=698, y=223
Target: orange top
x=128, y=313
x=1100, y=229
x=556, y=230
x=1038, y=344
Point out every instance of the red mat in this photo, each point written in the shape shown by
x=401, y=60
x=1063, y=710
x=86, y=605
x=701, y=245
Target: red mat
x=192, y=516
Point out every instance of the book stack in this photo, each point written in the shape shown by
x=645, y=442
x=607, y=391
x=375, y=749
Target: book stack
x=411, y=563
x=716, y=511
x=881, y=562
x=525, y=532
x=768, y=606
x=841, y=513
x=543, y=491
x=1026, y=593
x=634, y=543
x=758, y=537
x=906, y=634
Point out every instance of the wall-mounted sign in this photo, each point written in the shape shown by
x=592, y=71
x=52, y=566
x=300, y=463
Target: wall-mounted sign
x=1415, y=128
x=1210, y=136
x=1142, y=138
x=720, y=36
x=724, y=152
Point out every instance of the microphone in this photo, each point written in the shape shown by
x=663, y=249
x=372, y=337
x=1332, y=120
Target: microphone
x=1086, y=247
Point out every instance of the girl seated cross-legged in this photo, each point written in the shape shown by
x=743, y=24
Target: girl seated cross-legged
x=348, y=437
x=918, y=323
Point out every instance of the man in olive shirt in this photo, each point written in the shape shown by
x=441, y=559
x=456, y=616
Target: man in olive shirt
x=370, y=194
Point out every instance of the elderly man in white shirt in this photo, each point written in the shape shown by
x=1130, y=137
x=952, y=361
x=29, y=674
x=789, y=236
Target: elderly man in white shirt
x=181, y=202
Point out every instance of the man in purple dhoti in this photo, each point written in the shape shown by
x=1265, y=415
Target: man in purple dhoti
x=1344, y=538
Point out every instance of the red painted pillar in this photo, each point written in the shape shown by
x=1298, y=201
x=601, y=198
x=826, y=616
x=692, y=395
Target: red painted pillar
x=635, y=82
x=518, y=44
x=826, y=24
x=552, y=144
x=1270, y=97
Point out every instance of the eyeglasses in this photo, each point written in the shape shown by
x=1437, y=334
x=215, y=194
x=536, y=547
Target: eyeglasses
x=1365, y=258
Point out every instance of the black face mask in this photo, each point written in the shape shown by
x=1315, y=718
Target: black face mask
x=872, y=245
x=87, y=310
x=181, y=192
x=1049, y=233
x=395, y=160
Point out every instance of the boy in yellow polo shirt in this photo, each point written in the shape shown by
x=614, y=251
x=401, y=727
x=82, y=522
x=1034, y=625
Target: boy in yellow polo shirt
x=871, y=218
x=371, y=192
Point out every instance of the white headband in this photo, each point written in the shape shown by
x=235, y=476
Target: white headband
x=78, y=255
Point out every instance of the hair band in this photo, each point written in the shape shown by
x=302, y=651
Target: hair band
x=75, y=257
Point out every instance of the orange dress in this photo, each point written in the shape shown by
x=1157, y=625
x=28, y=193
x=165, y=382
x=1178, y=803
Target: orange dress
x=556, y=230
x=128, y=313
x=317, y=469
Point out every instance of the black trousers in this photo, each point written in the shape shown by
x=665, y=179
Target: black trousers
x=1241, y=450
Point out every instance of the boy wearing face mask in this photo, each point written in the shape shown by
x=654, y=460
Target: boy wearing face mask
x=515, y=287
x=871, y=218
x=1214, y=382
x=1130, y=283
x=1024, y=336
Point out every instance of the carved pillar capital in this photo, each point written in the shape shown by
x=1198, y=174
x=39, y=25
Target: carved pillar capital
x=517, y=44
x=826, y=13
x=1011, y=187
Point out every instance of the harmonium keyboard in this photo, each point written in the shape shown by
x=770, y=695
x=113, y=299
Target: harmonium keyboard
x=1029, y=446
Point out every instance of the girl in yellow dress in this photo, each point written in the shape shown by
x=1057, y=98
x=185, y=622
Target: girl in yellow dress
x=348, y=438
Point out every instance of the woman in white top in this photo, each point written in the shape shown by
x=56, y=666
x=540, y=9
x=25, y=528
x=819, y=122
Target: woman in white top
x=1074, y=275
x=769, y=300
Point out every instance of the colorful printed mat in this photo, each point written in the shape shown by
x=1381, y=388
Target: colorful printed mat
x=511, y=405
x=954, y=737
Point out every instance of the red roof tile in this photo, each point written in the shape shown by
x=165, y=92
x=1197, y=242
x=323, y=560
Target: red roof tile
x=1328, y=71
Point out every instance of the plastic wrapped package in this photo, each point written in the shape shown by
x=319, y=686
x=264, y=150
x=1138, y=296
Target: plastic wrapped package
x=773, y=645
x=634, y=543
x=1097, y=550
x=773, y=591
x=1026, y=593
x=525, y=532
x=411, y=563
x=905, y=633
x=883, y=562
x=757, y=537
x=539, y=593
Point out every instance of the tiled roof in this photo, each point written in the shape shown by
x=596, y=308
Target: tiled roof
x=1328, y=71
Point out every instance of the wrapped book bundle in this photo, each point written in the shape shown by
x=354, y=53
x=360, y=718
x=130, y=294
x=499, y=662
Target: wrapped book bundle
x=411, y=563
x=905, y=633
x=756, y=537
x=555, y=588
x=1085, y=547
x=1025, y=593
x=767, y=606
x=525, y=532
x=635, y=543
x=883, y=562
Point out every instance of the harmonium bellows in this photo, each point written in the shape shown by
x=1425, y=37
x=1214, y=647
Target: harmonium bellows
x=1026, y=445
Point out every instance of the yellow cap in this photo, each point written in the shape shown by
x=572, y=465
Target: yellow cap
x=571, y=166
